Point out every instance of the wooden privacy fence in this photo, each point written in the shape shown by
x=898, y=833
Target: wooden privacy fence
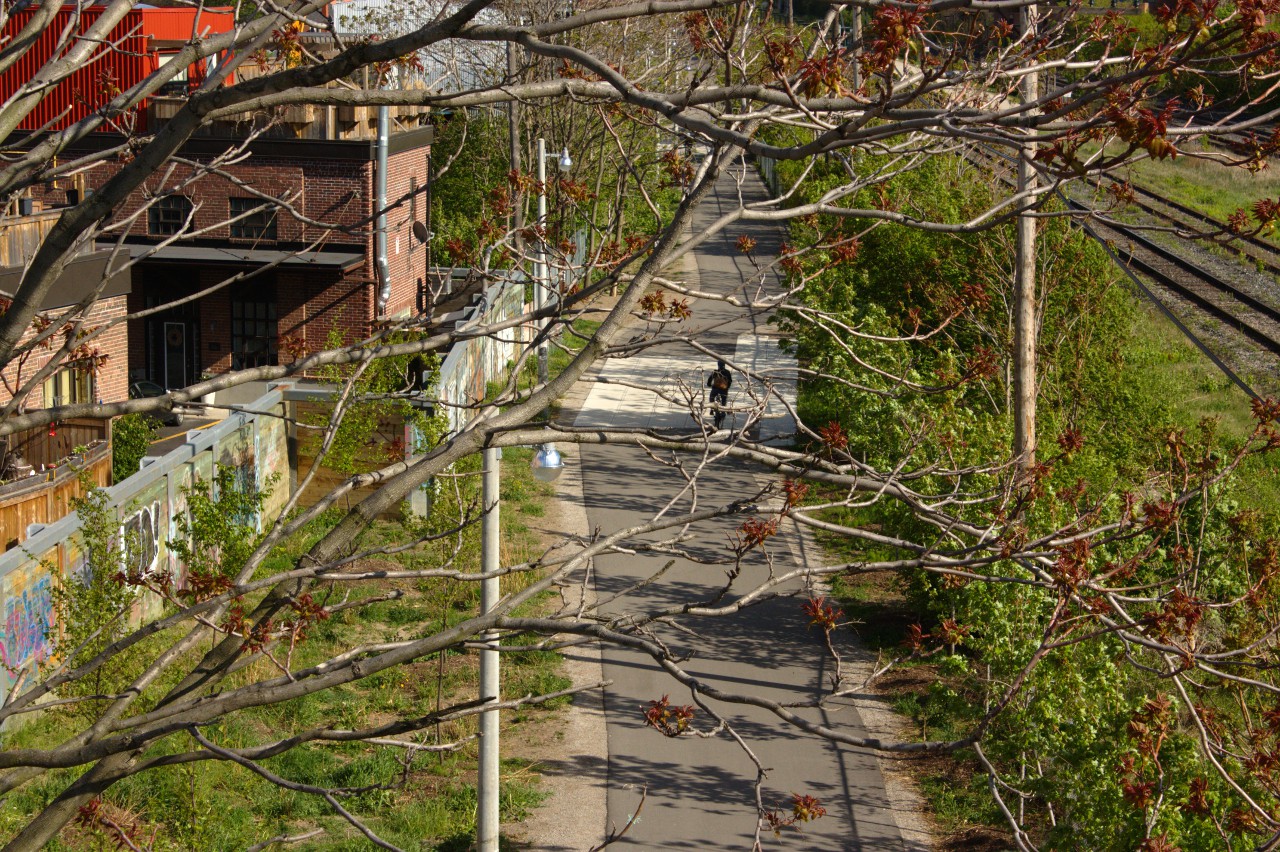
x=46, y=497
x=19, y=239
x=47, y=447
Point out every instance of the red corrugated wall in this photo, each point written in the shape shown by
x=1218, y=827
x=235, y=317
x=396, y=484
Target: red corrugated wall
x=177, y=24
x=112, y=70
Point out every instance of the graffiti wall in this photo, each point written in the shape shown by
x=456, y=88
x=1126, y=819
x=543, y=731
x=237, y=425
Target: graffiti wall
x=28, y=614
x=148, y=505
x=472, y=364
x=254, y=445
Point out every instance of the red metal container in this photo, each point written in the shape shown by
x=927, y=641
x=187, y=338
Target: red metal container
x=130, y=56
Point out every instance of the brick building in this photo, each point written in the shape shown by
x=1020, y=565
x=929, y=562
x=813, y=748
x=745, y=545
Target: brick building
x=102, y=371
x=272, y=283
x=254, y=279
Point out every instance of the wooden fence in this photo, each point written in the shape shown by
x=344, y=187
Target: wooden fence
x=45, y=447
x=46, y=497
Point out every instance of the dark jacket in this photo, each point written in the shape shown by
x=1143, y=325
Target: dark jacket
x=728, y=381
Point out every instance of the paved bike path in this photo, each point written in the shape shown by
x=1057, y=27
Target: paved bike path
x=698, y=792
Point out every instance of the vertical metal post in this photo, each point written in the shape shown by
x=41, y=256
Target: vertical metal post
x=487, y=821
x=543, y=273
x=513, y=130
x=383, y=294
x=1024, y=322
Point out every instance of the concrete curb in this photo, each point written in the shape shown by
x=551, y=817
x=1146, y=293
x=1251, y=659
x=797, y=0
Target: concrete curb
x=573, y=815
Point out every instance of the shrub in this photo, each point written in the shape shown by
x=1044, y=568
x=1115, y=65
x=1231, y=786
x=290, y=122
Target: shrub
x=131, y=435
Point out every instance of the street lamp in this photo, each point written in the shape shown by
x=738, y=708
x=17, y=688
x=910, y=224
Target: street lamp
x=546, y=464
x=542, y=273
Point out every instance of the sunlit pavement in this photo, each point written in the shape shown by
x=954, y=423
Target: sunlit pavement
x=169, y=438
x=698, y=791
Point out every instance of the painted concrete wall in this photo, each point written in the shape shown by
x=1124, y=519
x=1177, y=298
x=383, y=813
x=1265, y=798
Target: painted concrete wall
x=253, y=445
x=472, y=364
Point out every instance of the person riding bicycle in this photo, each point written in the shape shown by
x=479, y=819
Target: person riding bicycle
x=720, y=381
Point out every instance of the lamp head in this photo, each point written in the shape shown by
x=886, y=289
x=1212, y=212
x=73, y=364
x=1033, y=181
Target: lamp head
x=546, y=464
x=566, y=162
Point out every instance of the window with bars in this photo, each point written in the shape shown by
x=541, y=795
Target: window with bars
x=257, y=225
x=167, y=215
x=253, y=326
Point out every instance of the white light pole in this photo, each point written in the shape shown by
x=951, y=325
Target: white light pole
x=546, y=465
x=490, y=688
x=542, y=273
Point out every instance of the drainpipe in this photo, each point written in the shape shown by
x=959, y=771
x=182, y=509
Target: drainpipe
x=380, y=199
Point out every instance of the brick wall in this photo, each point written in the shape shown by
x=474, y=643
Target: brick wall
x=311, y=303
x=111, y=382
x=312, y=309
x=113, y=376
x=325, y=190
x=406, y=256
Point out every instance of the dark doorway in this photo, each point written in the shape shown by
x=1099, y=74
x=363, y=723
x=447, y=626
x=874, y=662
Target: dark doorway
x=254, y=326
x=175, y=355
x=172, y=336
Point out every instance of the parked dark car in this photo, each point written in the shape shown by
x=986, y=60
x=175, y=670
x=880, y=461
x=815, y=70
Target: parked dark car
x=145, y=390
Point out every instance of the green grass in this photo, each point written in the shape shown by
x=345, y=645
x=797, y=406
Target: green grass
x=561, y=353
x=219, y=806
x=1174, y=374
x=1175, y=368
x=1208, y=187
x=1178, y=370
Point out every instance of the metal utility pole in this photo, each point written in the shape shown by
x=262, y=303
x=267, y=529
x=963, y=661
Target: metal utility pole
x=487, y=821
x=1024, y=321
x=513, y=131
x=542, y=274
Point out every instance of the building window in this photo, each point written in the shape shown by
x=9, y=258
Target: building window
x=258, y=225
x=69, y=386
x=177, y=84
x=168, y=215
x=253, y=326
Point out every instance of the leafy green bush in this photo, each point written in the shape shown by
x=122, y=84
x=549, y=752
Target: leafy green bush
x=131, y=435
x=91, y=608
x=912, y=346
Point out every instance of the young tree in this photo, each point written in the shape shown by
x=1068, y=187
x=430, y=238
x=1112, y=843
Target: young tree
x=858, y=119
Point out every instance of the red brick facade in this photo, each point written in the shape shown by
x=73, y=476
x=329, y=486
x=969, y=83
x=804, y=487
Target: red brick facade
x=329, y=182
x=110, y=380
x=406, y=256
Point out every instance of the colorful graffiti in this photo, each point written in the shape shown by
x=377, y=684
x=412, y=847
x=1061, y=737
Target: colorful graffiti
x=142, y=539
x=146, y=511
x=28, y=614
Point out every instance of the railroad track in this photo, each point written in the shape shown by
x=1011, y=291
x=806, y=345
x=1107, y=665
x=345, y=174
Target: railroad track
x=1255, y=319
x=1263, y=254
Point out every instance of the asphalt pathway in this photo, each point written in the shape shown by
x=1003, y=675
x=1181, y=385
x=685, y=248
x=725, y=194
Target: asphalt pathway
x=699, y=792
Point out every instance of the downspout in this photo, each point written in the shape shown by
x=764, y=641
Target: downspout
x=380, y=200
